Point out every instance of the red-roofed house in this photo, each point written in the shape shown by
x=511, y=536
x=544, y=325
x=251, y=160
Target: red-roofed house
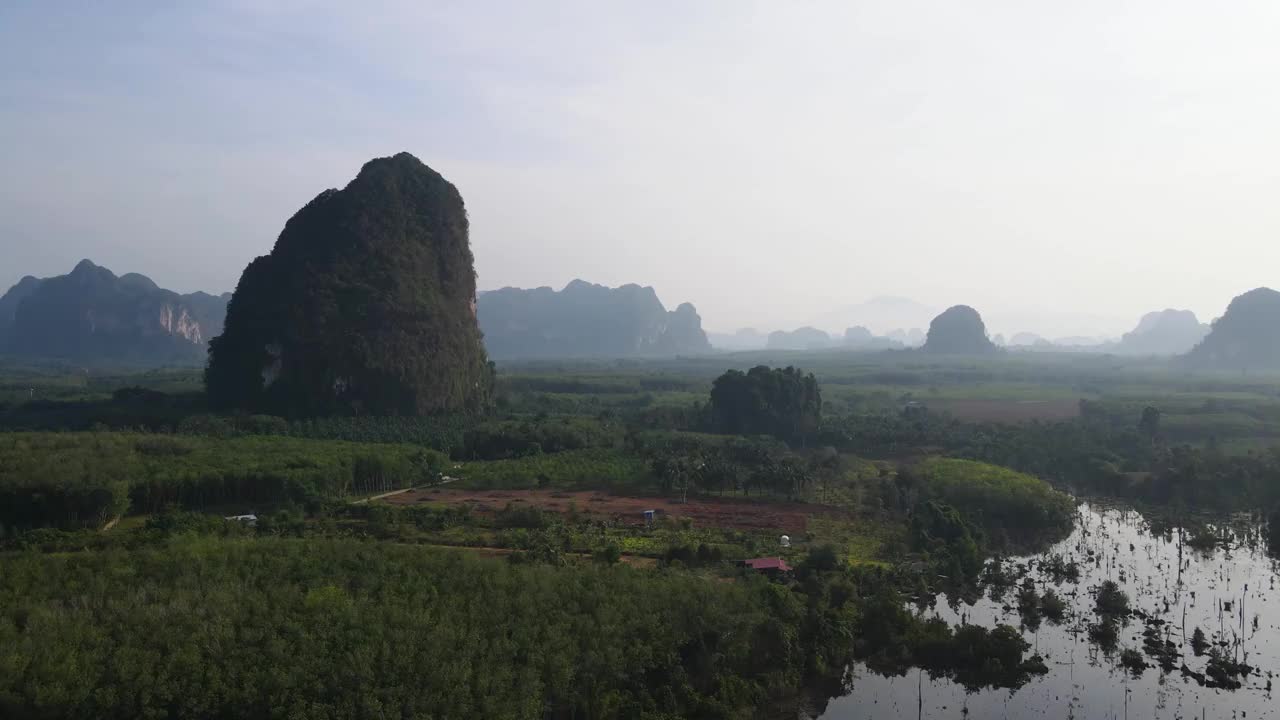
x=768, y=566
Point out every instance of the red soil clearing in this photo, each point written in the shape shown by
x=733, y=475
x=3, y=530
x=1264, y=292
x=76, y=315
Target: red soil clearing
x=737, y=513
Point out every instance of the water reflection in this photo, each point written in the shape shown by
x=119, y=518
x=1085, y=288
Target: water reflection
x=1228, y=592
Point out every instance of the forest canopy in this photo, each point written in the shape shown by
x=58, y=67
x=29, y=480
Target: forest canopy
x=783, y=402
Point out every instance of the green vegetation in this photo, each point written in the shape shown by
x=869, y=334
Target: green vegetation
x=1133, y=661
x=783, y=402
x=331, y=606
x=590, y=468
x=72, y=480
x=997, y=499
x=1110, y=601
x=518, y=438
x=1053, y=606
x=280, y=628
x=971, y=655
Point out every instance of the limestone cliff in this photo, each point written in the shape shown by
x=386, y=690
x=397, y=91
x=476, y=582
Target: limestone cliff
x=959, y=330
x=92, y=316
x=1246, y=337
x=365, y=305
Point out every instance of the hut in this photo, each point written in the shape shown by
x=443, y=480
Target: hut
x=772, y=566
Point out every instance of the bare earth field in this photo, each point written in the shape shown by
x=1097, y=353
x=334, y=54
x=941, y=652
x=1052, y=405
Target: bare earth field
x=736, y=513
x=1007, y=410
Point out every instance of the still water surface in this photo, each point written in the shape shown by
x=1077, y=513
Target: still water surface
x=1084, y=682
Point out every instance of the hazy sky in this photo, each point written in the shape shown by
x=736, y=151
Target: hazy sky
x=1063, y=167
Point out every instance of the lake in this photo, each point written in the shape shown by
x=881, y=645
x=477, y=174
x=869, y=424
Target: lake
x=1229, y=593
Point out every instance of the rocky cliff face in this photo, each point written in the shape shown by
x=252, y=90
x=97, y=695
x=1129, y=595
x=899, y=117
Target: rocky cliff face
x=959, y=330
x=1168, y=332
x=683, y=333
x=586, y=320
x=1246, y=337
x=91, y=315
x=365, y=305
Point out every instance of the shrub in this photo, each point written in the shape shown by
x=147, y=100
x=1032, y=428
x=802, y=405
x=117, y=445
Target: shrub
x=1111, y=600
x=609, y=554
x=1053, y=606
x=1133, y=661
x=998, y=499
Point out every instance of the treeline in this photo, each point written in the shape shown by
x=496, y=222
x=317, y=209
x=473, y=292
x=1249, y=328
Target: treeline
x=69, y=480
x=782, y=402
x=506, y=439
x=693, y=463
x=1105, y=450
x=959, y=512
x=321, y=629
x=1017, y=507
x=127, y=408
x=203, y=626
x=599, y=385
x=462, y=435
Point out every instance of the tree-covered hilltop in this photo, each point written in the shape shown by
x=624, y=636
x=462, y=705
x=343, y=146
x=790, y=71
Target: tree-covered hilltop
x=959, y=330
x=783, y=402
x=1246, y=337
x=587, y=320
x=365, y=306
x=90, y=314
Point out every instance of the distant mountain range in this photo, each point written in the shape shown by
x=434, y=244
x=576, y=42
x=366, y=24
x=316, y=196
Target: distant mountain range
x=808, y=338
x=883, y=314
x=742, y=339
x=90, y=314
x=811, y=338
x=1162, y=333
x=805, y=338
x=586, y=320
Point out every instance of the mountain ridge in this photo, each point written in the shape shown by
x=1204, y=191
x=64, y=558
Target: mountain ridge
x=586, y=320
x=91, y=313
x=1246, y=337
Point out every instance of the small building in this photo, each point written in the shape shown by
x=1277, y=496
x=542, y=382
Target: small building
x=772, y=567
x=250, y=520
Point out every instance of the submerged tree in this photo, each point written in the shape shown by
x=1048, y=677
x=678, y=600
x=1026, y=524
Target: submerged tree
x=1273, y=531
x=1111, y=601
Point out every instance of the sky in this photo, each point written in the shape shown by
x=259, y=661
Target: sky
x=1061, y=167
